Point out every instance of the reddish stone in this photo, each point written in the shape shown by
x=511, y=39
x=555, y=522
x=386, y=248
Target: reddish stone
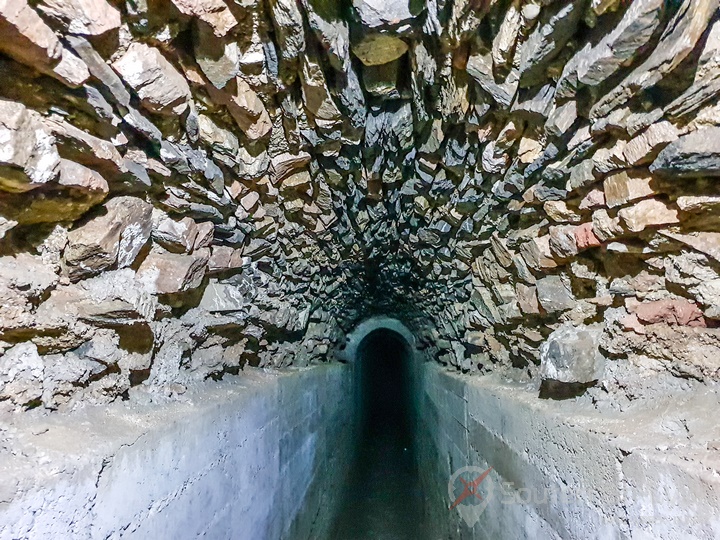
x=585, y=237
x=675, y=312
x=631, y=323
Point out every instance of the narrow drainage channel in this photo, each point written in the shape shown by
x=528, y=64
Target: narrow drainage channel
x=383, y=500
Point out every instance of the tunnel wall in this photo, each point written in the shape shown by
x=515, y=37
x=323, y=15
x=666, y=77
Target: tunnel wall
x=239, y=460
x=563, y=470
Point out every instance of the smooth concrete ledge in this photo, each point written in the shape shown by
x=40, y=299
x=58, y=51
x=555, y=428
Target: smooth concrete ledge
x=562, y=469
x=362, y=330
x=236, y=459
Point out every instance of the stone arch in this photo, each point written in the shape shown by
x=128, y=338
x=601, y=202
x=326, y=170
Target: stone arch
x=354, y=339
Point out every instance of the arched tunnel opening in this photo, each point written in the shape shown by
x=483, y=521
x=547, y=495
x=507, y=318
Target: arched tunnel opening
x=383, y=498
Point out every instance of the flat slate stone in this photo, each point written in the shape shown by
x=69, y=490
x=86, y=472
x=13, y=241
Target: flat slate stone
x=694, y=155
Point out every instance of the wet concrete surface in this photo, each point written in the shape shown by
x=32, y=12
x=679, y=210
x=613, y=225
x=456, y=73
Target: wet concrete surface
x=383, y=500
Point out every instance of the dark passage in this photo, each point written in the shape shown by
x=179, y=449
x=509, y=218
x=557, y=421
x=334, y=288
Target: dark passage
x=383, y=499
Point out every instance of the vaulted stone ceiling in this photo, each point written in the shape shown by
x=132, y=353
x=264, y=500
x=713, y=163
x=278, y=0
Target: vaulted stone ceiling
x=189, y=186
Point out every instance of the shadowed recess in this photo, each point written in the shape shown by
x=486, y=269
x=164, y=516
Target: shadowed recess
x=383, y=498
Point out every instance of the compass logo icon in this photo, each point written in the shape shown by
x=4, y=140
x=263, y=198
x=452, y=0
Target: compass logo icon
x=469, y=492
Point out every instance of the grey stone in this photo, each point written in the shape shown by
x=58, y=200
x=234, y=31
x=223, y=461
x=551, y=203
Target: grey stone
x=684, y=30
x=556, y=26
x=26, y=38
x=594, y=65
x=21, y=375
x=571, y=354
x=219, y=59
x=694, y=155
x=288, y=23
x=554, y=295
x=225, y=297
x=214, y=13
x=386, y=13
x=479, y=67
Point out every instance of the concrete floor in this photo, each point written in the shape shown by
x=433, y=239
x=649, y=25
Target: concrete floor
x=384, y=499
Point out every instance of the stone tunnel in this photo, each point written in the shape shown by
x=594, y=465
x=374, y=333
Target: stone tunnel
x=359, y=269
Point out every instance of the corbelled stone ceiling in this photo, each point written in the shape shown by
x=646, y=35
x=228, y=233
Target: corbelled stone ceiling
x=191, y=186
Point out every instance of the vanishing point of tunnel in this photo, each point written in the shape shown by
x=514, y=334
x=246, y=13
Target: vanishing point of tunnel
x=359, y=269
x=383, y=496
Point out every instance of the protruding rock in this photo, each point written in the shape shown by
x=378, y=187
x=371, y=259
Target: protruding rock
x=595, y=198
x=248, y=111
x=225, y=297
x=93, y=152
x=571, y=355
x=176, y=236
x=114, y=237
x=555, y=28
x=205, y=235
x=536, y=253
x=644, y=148
x=683, y=33
x=26, y=38
x=214, y=13
x=71, y=70
x=170, y=273
x=225, y=258
x=28, y=155
x=585, y=237
x=559, y=212
x=316, y=95
x=21, y=375
x=158, y=84
x=527, y=299
x=378, y=49
x=581, y=175
x=694, y=155
x=563, y=243
x=704, y=242
x=507, y=35
x=479, y=67
x=385, y=13
x=553, y=295
x=111, y=299
x=627, y=186
x=594, y=65
x=24, y=280
x=648, y=213
x=283, y=165
x=218, y=58
x=288, y=23
x=83, y=17
x=76, y=190
x=679, y=312
x=604, y=226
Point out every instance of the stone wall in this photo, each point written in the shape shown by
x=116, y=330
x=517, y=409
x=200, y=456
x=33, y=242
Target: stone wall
x=261, y=456
x=561, y=469
x=190, y=187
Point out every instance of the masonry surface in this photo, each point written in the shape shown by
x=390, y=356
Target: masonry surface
x=194, y=193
